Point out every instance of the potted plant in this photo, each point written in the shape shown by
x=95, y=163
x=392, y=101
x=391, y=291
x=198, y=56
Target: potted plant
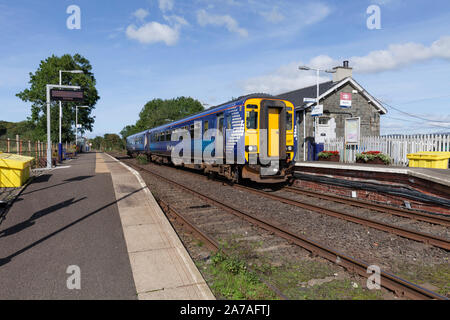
x=373, y=157
x=332, y=156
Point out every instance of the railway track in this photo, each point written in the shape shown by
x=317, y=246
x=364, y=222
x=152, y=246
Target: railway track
x=210, y=242
x=416, y=215
x=410, y=234
x=389, y=281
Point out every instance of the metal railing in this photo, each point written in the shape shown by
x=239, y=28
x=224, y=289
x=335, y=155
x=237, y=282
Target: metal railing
x=396, y=146
x=35, y=149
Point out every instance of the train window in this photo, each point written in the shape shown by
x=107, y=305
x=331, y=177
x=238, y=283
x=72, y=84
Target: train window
x=168, y=135
x=162, y=137
x=289, y=124
x=229, y=122
x=198, y=129
x=205, y=126
x=252, y=119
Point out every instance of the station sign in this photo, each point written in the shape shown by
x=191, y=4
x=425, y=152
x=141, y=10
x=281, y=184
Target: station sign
x=346, y=100
x=309, y=100
x=317, y=110
x=67, y=95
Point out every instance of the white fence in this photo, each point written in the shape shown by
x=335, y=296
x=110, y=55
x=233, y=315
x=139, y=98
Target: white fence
x=397, y=147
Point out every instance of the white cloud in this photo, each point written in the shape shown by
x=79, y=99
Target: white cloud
x=286, y=78
x=401, y=55
x=166, y=5
x=204, y=19
x=315, y=12
x=176, y=20
x=141, y=14
x=154, y=32
x=273, y=16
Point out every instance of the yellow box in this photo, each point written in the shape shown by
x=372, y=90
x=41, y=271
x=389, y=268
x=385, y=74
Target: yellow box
x=14, y=170
x=429, y=159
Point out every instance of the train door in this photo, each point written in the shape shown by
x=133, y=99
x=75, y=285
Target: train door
x=273, y=121
x=146, y=148
x=219, y=143
x=227, y=146
x=274, y=132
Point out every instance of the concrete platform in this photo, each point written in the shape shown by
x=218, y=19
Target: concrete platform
x=434, y=175
x=96, y=215
x=162, y=268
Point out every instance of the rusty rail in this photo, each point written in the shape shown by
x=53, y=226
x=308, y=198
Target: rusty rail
x=211, y=243
x=410, y=234
x=389, y=281
x=416, y=215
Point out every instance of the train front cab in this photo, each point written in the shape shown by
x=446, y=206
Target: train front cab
x=274, y=119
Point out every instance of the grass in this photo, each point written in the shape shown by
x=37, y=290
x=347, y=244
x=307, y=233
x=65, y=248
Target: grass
x=142, y=159
x=292, y=280
x=231, y=280
x=338, y=290
x=437, y=275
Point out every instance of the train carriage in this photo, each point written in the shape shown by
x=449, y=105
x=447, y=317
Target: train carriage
x=257, y=141
x=137, y=144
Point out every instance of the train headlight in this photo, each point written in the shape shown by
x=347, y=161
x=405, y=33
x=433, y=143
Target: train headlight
x=251, y=148
x=290, y=148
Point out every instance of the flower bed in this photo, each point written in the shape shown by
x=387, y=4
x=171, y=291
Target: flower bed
x=373, y=157
x=332, y=156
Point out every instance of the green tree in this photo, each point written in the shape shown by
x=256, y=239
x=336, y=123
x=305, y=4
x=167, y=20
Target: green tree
x=109, y=142
x=97, y=143
x=158, y=112
x=113, y=141
x=25, y=129
x=128, y=131
x=48, y=73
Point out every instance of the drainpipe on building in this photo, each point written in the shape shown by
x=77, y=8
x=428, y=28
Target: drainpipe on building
x=304, y=135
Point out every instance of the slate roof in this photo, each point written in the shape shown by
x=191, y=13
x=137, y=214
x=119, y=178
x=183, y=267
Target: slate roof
x=296, y=96
x=326, y=88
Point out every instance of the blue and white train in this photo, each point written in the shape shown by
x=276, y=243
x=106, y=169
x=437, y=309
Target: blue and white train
x=255, y=129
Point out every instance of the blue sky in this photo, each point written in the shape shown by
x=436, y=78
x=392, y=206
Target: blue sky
x=213, y=50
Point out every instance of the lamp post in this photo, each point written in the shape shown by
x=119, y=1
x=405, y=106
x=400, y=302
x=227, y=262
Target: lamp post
x=305, y=68
x=49, y=142
x=60, y=110
x=76, y=123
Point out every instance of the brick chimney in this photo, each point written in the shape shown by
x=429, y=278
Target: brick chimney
x=342, y=72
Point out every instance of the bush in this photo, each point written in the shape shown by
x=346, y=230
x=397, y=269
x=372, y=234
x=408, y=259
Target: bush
x=372, y=155
x=328, y=154
x=141, y=159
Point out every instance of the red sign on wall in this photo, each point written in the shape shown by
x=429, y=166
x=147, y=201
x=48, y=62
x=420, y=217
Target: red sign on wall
x=346, y=100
